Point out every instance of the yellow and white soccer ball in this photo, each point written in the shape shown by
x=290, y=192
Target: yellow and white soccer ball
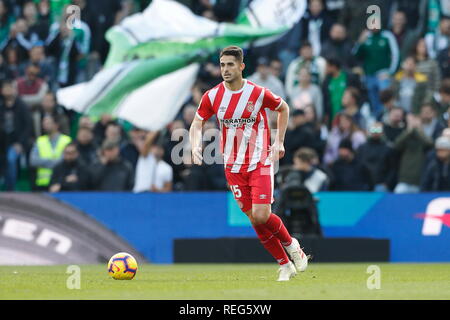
x=122, y=266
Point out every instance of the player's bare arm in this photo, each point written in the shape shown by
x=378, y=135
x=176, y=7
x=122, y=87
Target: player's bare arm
x=195, y=138
x=277, y=149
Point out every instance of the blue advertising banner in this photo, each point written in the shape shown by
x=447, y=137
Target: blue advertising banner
x=418, y=225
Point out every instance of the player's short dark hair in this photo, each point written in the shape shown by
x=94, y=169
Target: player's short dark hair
x=234, y=51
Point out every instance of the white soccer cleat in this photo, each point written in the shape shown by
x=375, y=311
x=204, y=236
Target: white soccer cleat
x=286, y=272
x=297, y=255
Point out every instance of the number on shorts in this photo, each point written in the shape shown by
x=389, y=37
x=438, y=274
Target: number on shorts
x=237, y=192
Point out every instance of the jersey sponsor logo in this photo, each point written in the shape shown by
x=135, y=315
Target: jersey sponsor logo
x=237, y=122
x=263, y=196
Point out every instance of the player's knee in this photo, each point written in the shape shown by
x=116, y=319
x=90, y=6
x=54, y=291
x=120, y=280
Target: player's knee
x=260, y=216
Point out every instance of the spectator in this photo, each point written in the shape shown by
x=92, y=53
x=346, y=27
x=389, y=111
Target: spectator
x=379, y=53
x=6, y=20
x=5, y=72
x=106, y=13
x=427, y=66
x=111, y=172
x=394, y=124
x=210, y=175
x=114, y=132
x=375, y=153
x=307, y=93
x=174, y=142
x=263, y=77
x=37, y=25
x=70, y=174
x=12, y=62
x=349, y=173
x=411, y=146
x=21, y=39
x=338, y=45
x=49, y=106
x=130, y=150
x=85, y=145
x=100, y=127
x=37, y=57
x=189, y=114
x=344, y=127
x=31, y=88
x=411, y=87
x=351, y=106
x=319, y=130
x=388, y=101
x=439, y=40
x=443, y=60
x=85, y=121
x=301, y=135
x=276, y=68
x=432, y=126
x=405, y=37
x=47, y=152
x=305, y=172
x=334, y=86
x=61, y=44
x=315, y=65
x=315, y=25
x=413, y=10
x=354, y=15
x=436, y=176
x=210, y=73
x=15, y=122
x=80, y=35
x=55, y=8
x=441, y=101
x=152, y=172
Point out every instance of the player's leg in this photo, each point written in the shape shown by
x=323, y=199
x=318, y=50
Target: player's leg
x=273, y=246
x=258, y=214
x=242, y=194
x=261, y=183
x=269, y=241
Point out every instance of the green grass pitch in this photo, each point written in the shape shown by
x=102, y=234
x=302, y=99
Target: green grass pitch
x=229, y=281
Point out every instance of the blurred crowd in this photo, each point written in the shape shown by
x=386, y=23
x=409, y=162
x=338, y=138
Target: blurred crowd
x=369, y=107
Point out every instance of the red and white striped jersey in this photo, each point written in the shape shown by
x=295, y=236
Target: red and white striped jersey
x=243, y=121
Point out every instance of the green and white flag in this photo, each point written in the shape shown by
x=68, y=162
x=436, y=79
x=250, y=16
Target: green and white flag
x=155, y=55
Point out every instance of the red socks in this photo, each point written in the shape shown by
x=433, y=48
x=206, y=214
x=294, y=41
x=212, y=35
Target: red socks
x=271, y=243
x=276, y=226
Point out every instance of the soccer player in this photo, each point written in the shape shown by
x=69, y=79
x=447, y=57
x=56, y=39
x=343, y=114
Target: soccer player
x=240, y=107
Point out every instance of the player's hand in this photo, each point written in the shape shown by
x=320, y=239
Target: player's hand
x=197, y=156
x=277, y=151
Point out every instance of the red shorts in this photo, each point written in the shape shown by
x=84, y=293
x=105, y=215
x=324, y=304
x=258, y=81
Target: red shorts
x=251, y=187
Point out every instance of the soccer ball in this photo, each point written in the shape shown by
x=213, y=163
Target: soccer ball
x=122, y=266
